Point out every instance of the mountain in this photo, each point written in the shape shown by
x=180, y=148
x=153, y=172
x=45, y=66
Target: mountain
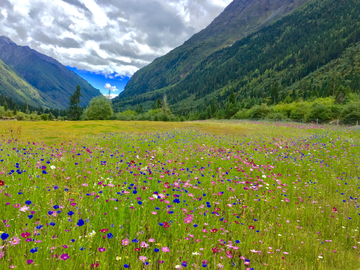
x=13, y=85
x=239, y=19
x=54, y=82
x=272, y=63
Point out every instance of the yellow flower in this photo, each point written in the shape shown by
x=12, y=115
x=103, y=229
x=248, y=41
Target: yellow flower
x=158, y=244
x=118, y=258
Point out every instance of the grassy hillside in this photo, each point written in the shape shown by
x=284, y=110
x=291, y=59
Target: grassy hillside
x=13, y=85
x=53, y=80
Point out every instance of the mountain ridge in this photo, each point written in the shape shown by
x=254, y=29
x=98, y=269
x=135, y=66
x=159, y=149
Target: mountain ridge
x=53, y=80
x=274, y=57
x=241, y=17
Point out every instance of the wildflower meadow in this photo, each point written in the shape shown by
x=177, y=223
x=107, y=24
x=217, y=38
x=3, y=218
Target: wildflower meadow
x=271, y=196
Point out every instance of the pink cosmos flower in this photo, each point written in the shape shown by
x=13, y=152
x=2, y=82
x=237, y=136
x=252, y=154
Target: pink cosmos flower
x=142, y=258
x=14, y=241
x=1, y=254
x=188, y=219
x=125, y=242
x=165, y=249
x=151, y=240
x=144, y=245
x=24, y=208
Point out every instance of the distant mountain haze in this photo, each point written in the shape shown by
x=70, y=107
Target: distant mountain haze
x=239, y=19
x=53, y=81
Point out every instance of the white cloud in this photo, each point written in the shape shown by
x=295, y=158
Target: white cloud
x=109, y=87
x=105, y=36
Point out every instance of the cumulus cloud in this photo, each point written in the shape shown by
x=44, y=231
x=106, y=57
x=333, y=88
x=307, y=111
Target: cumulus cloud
x=109, y=87
x=108, y=36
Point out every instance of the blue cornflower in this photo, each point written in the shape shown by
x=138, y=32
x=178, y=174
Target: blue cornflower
x=110, y=235
x=33, y=250
x=80, y=222
x=4, y=236
x=56, y=207
x=28, y=202
x=156, y=250
x=52, y=223
x=70, y=213
x=30, y=216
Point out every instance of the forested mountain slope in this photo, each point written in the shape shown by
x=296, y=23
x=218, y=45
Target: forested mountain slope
x=13, y=85
x=54, y=82
x=239, y=19
x=269, y=64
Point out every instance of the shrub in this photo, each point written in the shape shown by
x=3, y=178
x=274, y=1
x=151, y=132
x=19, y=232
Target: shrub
x=44, y=117
x=100, y=109
x=258, y=112
x=319, y=111
x=351, y=113
x=277, y=116
x=22, y=116
x=300, y=111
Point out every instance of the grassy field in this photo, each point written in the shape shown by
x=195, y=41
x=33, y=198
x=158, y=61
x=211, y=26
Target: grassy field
x=193, y=195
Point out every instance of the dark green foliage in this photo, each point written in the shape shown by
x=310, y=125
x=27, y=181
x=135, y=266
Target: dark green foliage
x=158, y=104
x=351, y=113
x=100, y=109
x=44, y=117
x=74, y=111
x=139, y=109
x=319, y=113
x=308, y=54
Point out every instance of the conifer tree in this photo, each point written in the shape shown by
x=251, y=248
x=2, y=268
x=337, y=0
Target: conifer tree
x=74, y=111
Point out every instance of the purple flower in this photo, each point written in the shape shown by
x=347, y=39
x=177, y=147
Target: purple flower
x=64, y=256
x=102, y=249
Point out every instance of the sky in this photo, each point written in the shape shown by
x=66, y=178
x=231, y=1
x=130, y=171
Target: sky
x=105, y=41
